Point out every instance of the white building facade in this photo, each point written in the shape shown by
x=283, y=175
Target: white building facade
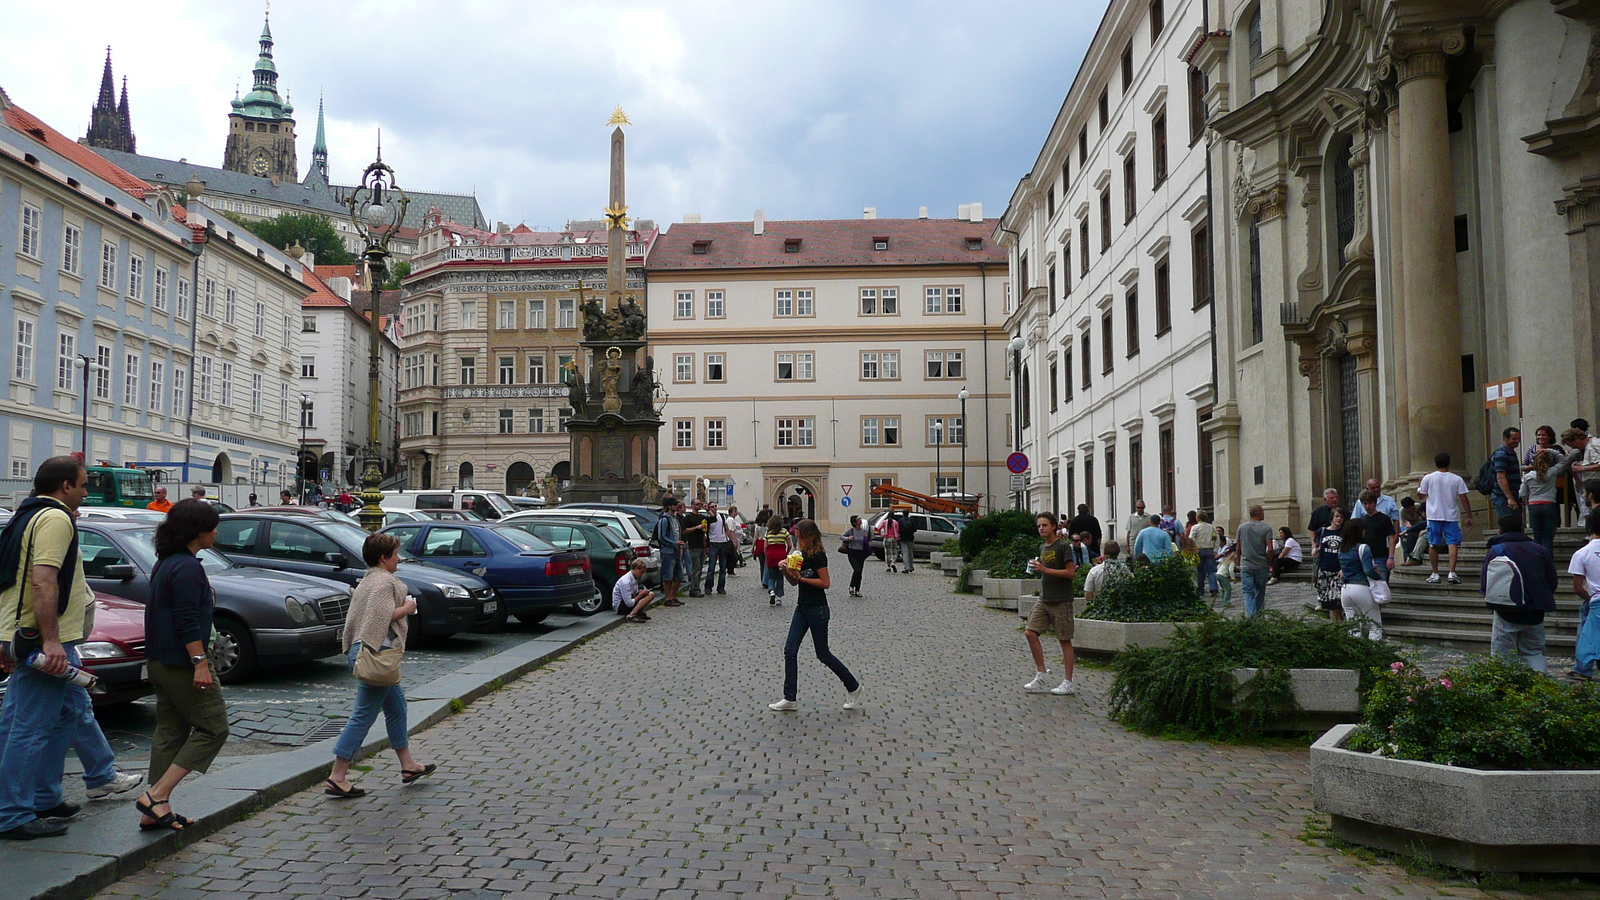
x=335, y=385
x=1109, y=240
x=813, y=360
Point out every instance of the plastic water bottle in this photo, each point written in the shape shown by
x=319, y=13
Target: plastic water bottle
x=75, y=674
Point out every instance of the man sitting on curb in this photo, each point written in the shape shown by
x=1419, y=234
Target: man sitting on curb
x=629, y=597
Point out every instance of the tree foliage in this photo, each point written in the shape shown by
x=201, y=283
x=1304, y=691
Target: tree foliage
x=312, y=231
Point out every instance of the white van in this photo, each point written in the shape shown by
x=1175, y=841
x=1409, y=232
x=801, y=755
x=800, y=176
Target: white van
x=492, y=505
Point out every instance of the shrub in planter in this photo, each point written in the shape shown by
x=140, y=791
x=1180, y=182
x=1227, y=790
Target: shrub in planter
x=1493, y=713
x=1008, y=560
x=951, y=547
x=997, y=528
x=1161, y=591
x=1188, y=686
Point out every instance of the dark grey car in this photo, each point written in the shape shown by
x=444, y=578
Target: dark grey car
x=262, y=618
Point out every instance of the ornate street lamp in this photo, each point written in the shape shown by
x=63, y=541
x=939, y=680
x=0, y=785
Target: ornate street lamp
x=377, y=206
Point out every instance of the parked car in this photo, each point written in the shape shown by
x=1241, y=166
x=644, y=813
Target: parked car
x=262, y=618
x=620, y=523
x=646, y=516
x=320, y=512
x=492, y=505
x=447, y=601
x=609, y=553
x=522, y=503
x=932, y=532
x=114, y=651
x=531, y=577
x=393, y=516
x=122, y=514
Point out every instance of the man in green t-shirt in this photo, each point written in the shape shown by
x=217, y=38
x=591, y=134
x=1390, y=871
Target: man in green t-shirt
x=1053, y=610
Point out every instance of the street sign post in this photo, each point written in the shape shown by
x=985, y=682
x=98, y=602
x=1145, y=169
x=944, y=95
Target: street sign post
x=1017, y=463
x=845, y=502
x=1019, y=483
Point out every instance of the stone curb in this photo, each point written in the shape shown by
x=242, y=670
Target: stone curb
x=103, y=849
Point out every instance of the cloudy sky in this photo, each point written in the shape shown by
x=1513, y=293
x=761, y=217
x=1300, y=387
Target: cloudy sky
x=802, y=109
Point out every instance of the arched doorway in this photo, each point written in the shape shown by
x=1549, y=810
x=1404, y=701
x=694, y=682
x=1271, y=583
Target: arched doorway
x=464, y=476
x=797, y=500
x=308, y=467
x=519, y=475
x=562, y=470
x=222, y=469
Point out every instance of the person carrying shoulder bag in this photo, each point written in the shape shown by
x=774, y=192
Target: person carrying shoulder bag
x=375, y=638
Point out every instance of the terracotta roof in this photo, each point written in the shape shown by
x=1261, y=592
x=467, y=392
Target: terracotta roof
x=321, y=294
x=33, y=127
x=827, y=242
x=337, y=272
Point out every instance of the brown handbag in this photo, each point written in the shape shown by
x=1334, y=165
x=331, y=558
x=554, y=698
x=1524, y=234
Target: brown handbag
x=378, y=668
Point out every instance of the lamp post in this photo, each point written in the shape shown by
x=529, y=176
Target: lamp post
x=938, y=443
x=82, y=362
x=962, y=396
x=300, y=464
x=377, y=217
x=1016, y=345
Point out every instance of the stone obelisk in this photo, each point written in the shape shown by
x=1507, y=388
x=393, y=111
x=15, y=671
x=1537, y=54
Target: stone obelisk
x=616, y=224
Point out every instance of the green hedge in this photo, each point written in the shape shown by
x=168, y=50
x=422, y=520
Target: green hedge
x=1187, y=686
x=997, y=528
x=1161, y=591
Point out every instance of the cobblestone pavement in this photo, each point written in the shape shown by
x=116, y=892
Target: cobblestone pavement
x=645, y=765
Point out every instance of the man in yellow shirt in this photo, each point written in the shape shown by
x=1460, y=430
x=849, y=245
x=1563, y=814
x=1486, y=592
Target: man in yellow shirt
x=160, y=503
x=43, y=601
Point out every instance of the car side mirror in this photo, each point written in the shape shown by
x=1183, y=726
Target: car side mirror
x=123, y=572
x=337, y=559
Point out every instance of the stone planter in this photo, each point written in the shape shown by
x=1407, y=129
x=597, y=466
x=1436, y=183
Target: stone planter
x=1025, y=605
x=951, y=565
x=1100, y=636
x=935, y=558
x=975, y=580
x=1325, y=697
x=1009, y=587
x=1475, y=819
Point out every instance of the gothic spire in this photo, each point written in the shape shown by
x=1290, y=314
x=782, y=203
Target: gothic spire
x=110, y=126
x=108, y=89
x=319, y=149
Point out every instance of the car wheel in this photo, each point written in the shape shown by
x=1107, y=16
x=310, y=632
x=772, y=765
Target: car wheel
x=592, y=603
x=533, y=618
x=233, y=653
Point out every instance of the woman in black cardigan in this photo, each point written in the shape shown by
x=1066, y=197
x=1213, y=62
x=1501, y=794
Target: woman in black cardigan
x=191, y=719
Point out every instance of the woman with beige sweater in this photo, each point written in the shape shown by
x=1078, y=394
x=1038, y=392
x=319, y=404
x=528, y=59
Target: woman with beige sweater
x=377, y=618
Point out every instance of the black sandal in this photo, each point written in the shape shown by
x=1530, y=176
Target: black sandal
x=408, y=776
x=170, y=821
x=333, y=790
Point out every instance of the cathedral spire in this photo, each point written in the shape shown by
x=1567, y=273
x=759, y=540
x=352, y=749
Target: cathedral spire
x=110, y=126
x=319, y=148
x=108, y=87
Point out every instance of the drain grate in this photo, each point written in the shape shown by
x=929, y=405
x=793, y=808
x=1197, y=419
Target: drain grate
x=328, y=729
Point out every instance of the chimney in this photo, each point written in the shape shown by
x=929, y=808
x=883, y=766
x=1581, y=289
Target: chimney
x=977, y=212
x=963, y=212
x=922, y=212
x=759, y=225
x=870, y=212
x=691, y=218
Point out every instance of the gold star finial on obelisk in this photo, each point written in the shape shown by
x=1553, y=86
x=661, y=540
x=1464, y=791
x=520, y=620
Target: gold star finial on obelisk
x=618, y=117
x=616, y=216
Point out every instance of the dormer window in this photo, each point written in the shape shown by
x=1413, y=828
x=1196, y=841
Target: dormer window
x=791, y=245
x=701, y=248
x=974, y=243
x=880, y=242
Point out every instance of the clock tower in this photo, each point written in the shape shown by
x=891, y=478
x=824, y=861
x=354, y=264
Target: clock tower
x=261, y=126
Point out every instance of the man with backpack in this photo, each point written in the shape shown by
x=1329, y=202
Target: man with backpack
x=1519, y=584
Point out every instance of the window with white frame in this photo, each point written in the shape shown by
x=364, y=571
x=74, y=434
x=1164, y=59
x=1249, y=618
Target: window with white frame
x=563, y=416
x=135, y=276
x=130, y=380
x=536, y=314
x=22, y=367
x=536, y=368
x=230, y=305
x=564, y=367
x=71, y=249
x=880, y=301
x=797, y=366
x=30, y=243
x=946, y=364
x=716, y=305
x=261, y=319
x=683, y=305
x=283, y=402
x=945, y=430
x=208, y=299
x=308, y=413
x=180, y=391
x=716, y=369
x=947, y=484
x=880, y=431
x=469, y=314
x=308, y=324
x=804, y=303
x=158, y=384
x=206, y=371
x=880, y=365
x=182, y=310
x=566, y=313
x=412, y=372
x=102, y=372
x=942, y=299
x=505, y=315
x=308, y=367
x=798, y=431
x=158, y=300
x=108, y=265
x=536, y=421
x=66, y=355
x=257, y=386
x=508, y=421
x=716, y=434
x=227, y=384
x=288, y=325
x=469, y=370
x=506, y=371
x=683, y=367
x=683, y=434
x=875, y=501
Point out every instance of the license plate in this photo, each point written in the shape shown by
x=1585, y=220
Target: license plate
x=575, y=570
x=492, y=606
x=144, y=671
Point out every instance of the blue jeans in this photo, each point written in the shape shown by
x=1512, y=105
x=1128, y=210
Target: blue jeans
x=1542, y=521
x=1524, y=642
x=696, y=557
x=1206, y=572
x=1255, y=589
x=772, y=579
x=37, y=722
x=94, y=751
x=717, y=562
x=671, y=566
x=369, y=700
x=1583, y=615
x=815, y=620
x=1502, y=506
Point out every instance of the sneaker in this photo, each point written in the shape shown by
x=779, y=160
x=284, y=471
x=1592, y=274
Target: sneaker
x=783, y=706
x=63, y=812
x=772, y=598
x=1575, y=675
x=1039, y=684
x=38, y=828
x=1452, y=578
x=1271, y=581
x=1433, y=579
x=1064, y=688
x=122, y=783
x=852, y=699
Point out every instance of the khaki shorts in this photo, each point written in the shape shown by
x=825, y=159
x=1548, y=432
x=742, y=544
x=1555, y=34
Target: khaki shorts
x=1054, y=616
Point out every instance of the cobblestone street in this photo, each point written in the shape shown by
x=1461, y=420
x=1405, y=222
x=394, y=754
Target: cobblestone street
x=646, y=765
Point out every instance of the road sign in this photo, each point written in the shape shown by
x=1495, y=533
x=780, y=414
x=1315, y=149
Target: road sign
x=1017, y=463
x=844, y=501
x=730, y=490
x=846, y=488
x=1019, y=483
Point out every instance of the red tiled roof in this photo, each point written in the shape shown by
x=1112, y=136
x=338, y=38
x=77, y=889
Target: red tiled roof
x=25, y=122
x=827, y=242
x=320, y=294
x=326, y=272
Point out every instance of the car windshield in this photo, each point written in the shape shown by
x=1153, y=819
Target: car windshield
x=526, y=542
x=142, y=545
x=349, y=537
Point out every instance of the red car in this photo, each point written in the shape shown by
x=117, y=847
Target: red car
x=114, y=652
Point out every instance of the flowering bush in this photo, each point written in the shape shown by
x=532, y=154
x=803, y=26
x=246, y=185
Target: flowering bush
x=1493, y=713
